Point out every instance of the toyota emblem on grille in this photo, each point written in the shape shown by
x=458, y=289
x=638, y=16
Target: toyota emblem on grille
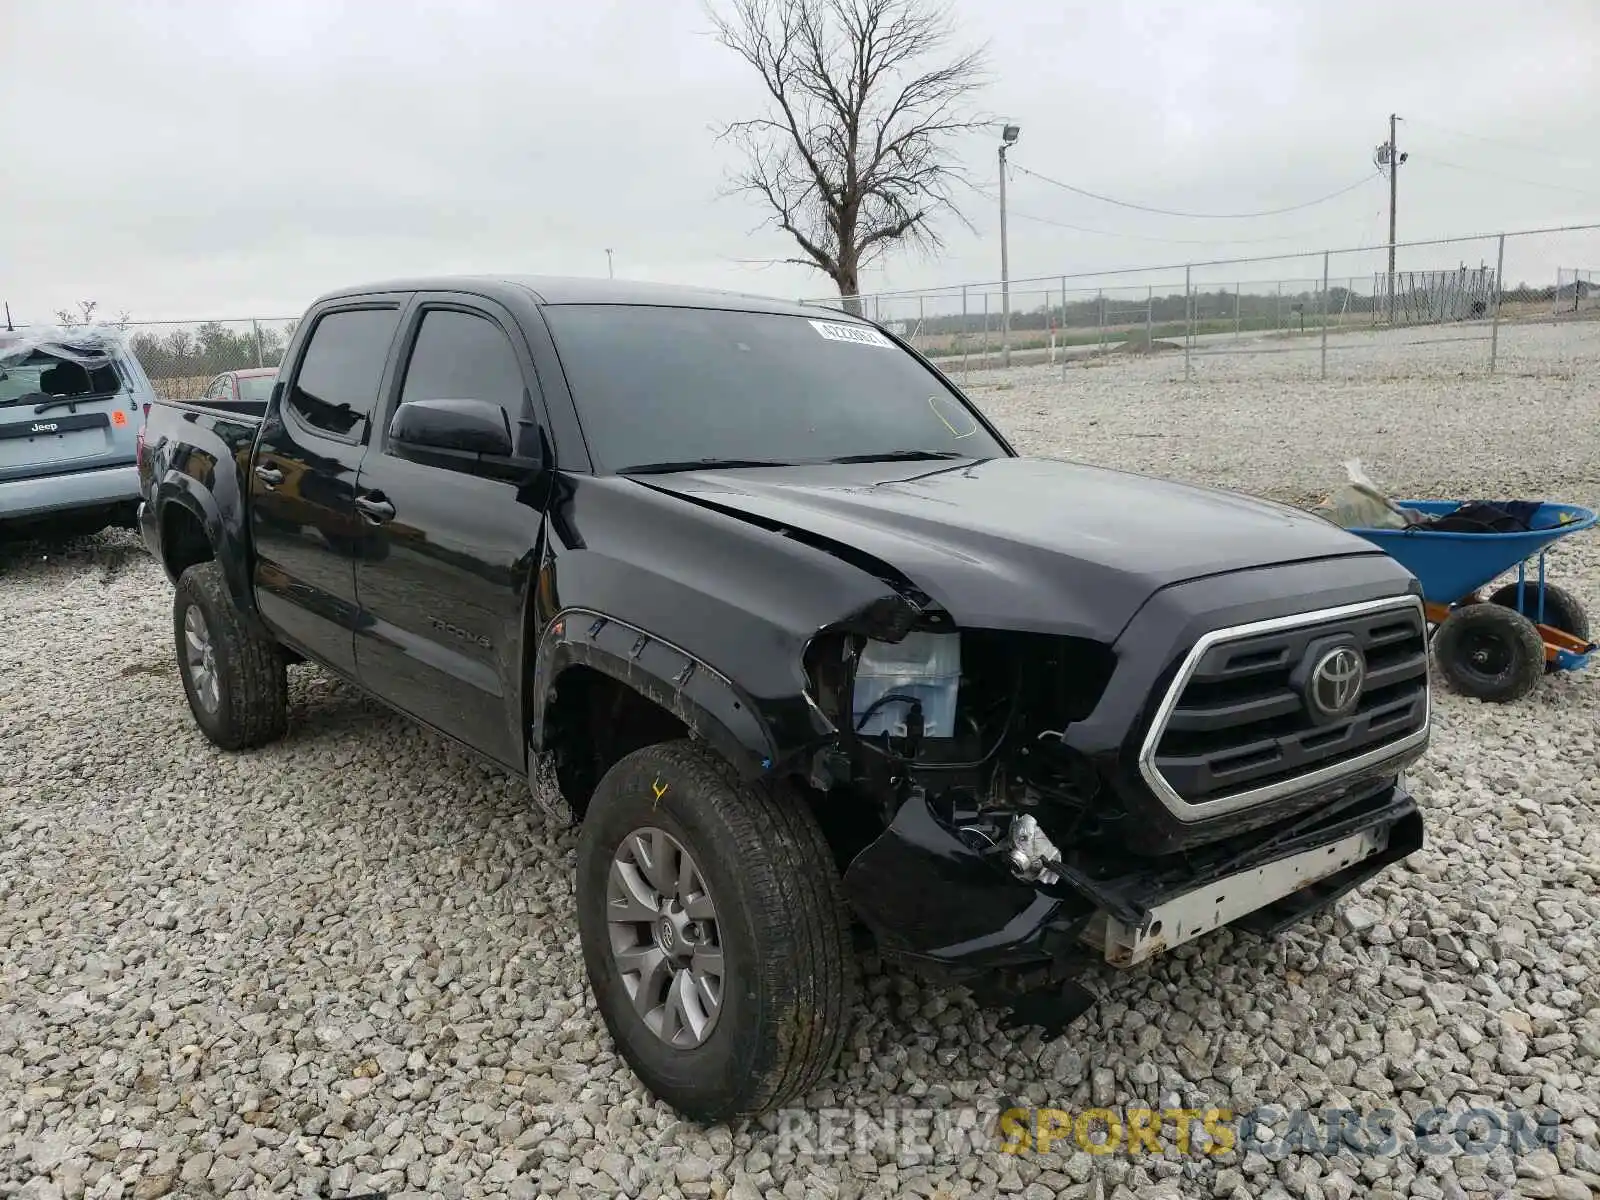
x=1335, y=683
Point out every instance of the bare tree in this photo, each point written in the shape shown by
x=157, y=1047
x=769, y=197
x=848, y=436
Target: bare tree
x=85, y=315
x=854, y=152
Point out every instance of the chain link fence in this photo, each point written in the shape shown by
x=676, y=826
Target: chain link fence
x=1448, y=306
x=182, y=357
x=1577, y=291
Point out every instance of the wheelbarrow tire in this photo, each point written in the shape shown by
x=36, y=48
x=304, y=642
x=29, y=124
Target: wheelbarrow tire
x=1562, y=610
x=1489, y=652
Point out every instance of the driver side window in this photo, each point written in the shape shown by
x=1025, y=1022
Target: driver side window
x=461, y=356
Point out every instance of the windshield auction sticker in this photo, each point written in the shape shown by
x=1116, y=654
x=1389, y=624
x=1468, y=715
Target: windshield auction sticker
x=858, y=335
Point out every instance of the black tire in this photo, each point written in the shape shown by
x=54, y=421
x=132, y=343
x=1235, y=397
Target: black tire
x=1489, y=652
x=789, y=974
x=1562, y=610
x=250, y=706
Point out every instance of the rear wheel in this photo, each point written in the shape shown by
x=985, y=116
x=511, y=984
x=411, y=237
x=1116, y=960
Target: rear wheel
x=235, y=680
x=714, y=933
x=1489, y=652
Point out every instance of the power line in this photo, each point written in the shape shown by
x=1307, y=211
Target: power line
x=1555, y=187
x=1283, y=237
x=985, y=190
x=1167, y=212
x=1526, y=147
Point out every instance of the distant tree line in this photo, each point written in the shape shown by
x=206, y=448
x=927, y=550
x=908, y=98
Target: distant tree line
x=1256, y=310
x=184, y=353
x=209, y=349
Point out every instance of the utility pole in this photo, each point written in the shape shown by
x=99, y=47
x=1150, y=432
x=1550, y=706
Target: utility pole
x=1394, y=203
x=1008, y=135
x=611, y=274
x=1388, y=155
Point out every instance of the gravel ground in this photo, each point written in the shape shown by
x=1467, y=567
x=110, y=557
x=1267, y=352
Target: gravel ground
x=348, y=962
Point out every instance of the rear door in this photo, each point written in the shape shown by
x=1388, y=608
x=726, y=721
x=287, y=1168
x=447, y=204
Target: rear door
x=442, y=581
x=303, y=520
x=58, y=415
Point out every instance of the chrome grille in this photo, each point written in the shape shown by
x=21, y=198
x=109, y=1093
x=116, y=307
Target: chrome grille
x=1235, y=729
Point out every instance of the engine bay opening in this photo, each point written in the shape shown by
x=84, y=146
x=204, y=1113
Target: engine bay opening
x=973, y=723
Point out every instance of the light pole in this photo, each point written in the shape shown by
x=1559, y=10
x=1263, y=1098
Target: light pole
x=1008, y=137
x=610, y=273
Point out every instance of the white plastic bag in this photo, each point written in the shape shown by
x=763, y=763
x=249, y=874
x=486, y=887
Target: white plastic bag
x=1360, y=505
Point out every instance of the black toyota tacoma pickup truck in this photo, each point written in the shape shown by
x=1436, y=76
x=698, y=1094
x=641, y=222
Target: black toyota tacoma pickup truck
x=753, y=592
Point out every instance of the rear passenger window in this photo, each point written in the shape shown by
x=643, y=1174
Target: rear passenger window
x=336, y=388
x=458, y=356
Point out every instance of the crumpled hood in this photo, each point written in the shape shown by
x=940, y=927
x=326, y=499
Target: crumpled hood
x=1023, y=543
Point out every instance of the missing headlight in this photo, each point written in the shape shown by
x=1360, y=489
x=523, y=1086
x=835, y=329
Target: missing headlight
x=895, y=681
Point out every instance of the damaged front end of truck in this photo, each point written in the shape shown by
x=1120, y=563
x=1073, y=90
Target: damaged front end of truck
x=1020, y=808
x=1055, y=716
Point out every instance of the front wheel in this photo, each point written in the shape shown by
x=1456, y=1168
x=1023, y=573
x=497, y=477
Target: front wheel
x=235, y=680
x=1489, y=652
x=714, y=933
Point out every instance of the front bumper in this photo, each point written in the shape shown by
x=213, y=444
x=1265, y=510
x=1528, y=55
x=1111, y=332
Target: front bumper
x=1176, y=919
x=934, y=902
x=45, y=495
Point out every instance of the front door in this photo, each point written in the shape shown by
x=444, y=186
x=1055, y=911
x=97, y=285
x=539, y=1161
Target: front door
x=442, y=579
x=303, y=520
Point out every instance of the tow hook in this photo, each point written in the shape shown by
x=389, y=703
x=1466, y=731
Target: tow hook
x=1032, y=855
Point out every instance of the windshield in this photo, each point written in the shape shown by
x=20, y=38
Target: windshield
x=681, y=386
x=256, y=387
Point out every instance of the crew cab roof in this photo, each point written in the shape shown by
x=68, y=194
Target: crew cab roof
x=552, y=289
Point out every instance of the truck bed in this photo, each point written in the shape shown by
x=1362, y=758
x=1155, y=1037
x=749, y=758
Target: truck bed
x=253, y=410
x=199, y=448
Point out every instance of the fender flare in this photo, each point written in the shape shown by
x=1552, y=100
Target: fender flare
x=712, y=707
x=176, y=488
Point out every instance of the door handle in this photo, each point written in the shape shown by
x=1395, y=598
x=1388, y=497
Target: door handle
x=375, y=508
x=270, y=476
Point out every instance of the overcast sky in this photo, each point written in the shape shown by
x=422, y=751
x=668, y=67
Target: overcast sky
x=223, y=158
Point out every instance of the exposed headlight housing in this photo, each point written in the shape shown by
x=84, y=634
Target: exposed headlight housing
x=921, y=671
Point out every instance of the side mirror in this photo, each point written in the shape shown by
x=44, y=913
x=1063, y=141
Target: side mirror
x=472, y=436
x=469, y=426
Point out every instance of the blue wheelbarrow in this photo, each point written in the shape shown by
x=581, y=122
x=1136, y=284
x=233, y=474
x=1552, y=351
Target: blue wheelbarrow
x=1495, y=647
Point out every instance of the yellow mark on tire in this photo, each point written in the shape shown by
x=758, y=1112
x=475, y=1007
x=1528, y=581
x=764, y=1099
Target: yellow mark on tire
x=660, y=789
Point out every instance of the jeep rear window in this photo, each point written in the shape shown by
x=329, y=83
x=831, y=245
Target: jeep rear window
x=43, y=375
x=666, y=385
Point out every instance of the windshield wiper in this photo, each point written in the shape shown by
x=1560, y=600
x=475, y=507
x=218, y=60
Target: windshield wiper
x=700, y=464
x=25, y=398
x=898, y=456
x=69, y=402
